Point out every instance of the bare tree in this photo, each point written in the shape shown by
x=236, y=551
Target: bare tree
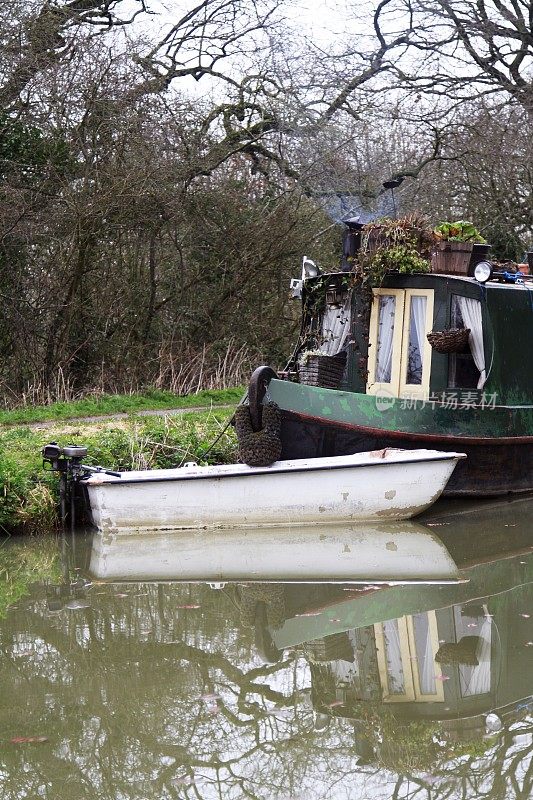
x=486, y=44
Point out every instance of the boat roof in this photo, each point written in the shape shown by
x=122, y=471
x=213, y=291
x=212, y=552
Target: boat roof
x=396, y=277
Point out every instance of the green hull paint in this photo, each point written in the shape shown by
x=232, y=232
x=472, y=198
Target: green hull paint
x=434, y=419
x=397, y=601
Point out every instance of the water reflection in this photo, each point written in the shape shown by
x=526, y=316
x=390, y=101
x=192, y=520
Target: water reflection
x=384, y=552
x=167, y=689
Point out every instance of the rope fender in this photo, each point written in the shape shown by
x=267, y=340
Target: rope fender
x=258, y=448
x=272, y=595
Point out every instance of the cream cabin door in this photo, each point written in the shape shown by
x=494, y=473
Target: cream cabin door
x=399, y=361
x=406, y=650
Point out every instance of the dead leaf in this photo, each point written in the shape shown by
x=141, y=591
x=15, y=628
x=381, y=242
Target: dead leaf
x=184, y=780
x=28, y=739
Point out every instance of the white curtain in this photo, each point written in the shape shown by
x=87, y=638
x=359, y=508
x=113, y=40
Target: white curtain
x=418, y=311
x=387, y=305
x=424, y=653
x=393, y=655
x=335, y=328
x=416, y=349
x=476, y=680
x=471, y=314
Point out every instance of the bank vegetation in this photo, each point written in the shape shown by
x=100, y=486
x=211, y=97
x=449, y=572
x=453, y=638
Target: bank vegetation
x=29, y=498
x=161, y=174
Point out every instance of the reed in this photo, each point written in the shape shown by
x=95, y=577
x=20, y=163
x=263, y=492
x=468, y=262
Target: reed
x=178, y=369
x=190, y=371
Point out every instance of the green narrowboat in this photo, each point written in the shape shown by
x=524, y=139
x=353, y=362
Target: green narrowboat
x=469, y=393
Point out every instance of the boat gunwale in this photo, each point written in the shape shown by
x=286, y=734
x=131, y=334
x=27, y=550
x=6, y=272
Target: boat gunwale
x=97, y=480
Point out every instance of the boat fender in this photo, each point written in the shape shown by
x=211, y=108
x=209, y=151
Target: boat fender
x=258, y=448
x=271, y=595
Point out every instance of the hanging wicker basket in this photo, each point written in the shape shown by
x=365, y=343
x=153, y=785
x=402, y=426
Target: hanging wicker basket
x=454, y=340
x=462, y=652
x=324, y=371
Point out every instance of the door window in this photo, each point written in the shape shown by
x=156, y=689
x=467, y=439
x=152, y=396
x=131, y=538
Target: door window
x=386, y=321
x=399, y=354
x=417, y=335
x=406, y=649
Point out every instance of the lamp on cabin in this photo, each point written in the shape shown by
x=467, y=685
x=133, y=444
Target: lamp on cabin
x=483, y=272
x=309, y=269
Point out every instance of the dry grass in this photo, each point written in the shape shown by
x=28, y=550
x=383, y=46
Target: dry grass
x=60, y=390
x=178, y=369
x=189, y=371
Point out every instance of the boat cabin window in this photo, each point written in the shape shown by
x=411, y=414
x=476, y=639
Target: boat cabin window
x=462, y=370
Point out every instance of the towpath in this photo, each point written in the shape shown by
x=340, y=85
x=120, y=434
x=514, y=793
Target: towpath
x=146, y=412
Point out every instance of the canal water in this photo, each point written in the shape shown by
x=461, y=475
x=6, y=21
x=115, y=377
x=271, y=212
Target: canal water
x=349, y=663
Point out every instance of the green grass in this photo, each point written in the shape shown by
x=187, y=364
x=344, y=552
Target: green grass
x=153, y=399
x=28, y=494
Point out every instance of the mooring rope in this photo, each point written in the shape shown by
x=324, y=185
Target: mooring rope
x=202, y=455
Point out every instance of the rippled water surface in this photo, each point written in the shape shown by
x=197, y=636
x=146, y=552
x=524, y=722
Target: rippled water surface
x=353, y=663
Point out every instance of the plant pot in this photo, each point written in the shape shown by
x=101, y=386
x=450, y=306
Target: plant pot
x=452, y=258
x=454, y=340
x=324, y=371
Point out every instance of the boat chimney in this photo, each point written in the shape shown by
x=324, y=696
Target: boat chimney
x=351, y=242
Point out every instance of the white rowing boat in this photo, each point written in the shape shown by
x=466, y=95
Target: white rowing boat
x=385, y=484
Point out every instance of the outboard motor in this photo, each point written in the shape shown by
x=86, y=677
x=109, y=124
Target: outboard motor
x=68, y=462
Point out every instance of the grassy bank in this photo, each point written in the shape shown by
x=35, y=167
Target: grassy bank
x=28, y=494
x=20, y=566
x=100, y=405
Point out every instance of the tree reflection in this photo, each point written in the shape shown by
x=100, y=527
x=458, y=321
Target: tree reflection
x=138, y=695
x=158, y=691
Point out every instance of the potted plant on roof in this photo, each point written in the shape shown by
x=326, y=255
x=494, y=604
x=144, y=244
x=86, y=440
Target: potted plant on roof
x=394, y=245
x=411, y=231
x=454, y=245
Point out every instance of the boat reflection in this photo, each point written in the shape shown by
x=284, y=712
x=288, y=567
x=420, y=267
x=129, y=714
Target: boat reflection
x=446, y=652
x=426, y=635
x=380, y=552
x=427, y=652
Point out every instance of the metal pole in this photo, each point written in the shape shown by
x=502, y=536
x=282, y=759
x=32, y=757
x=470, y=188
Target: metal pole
x=72, y=486
x=63, y=498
